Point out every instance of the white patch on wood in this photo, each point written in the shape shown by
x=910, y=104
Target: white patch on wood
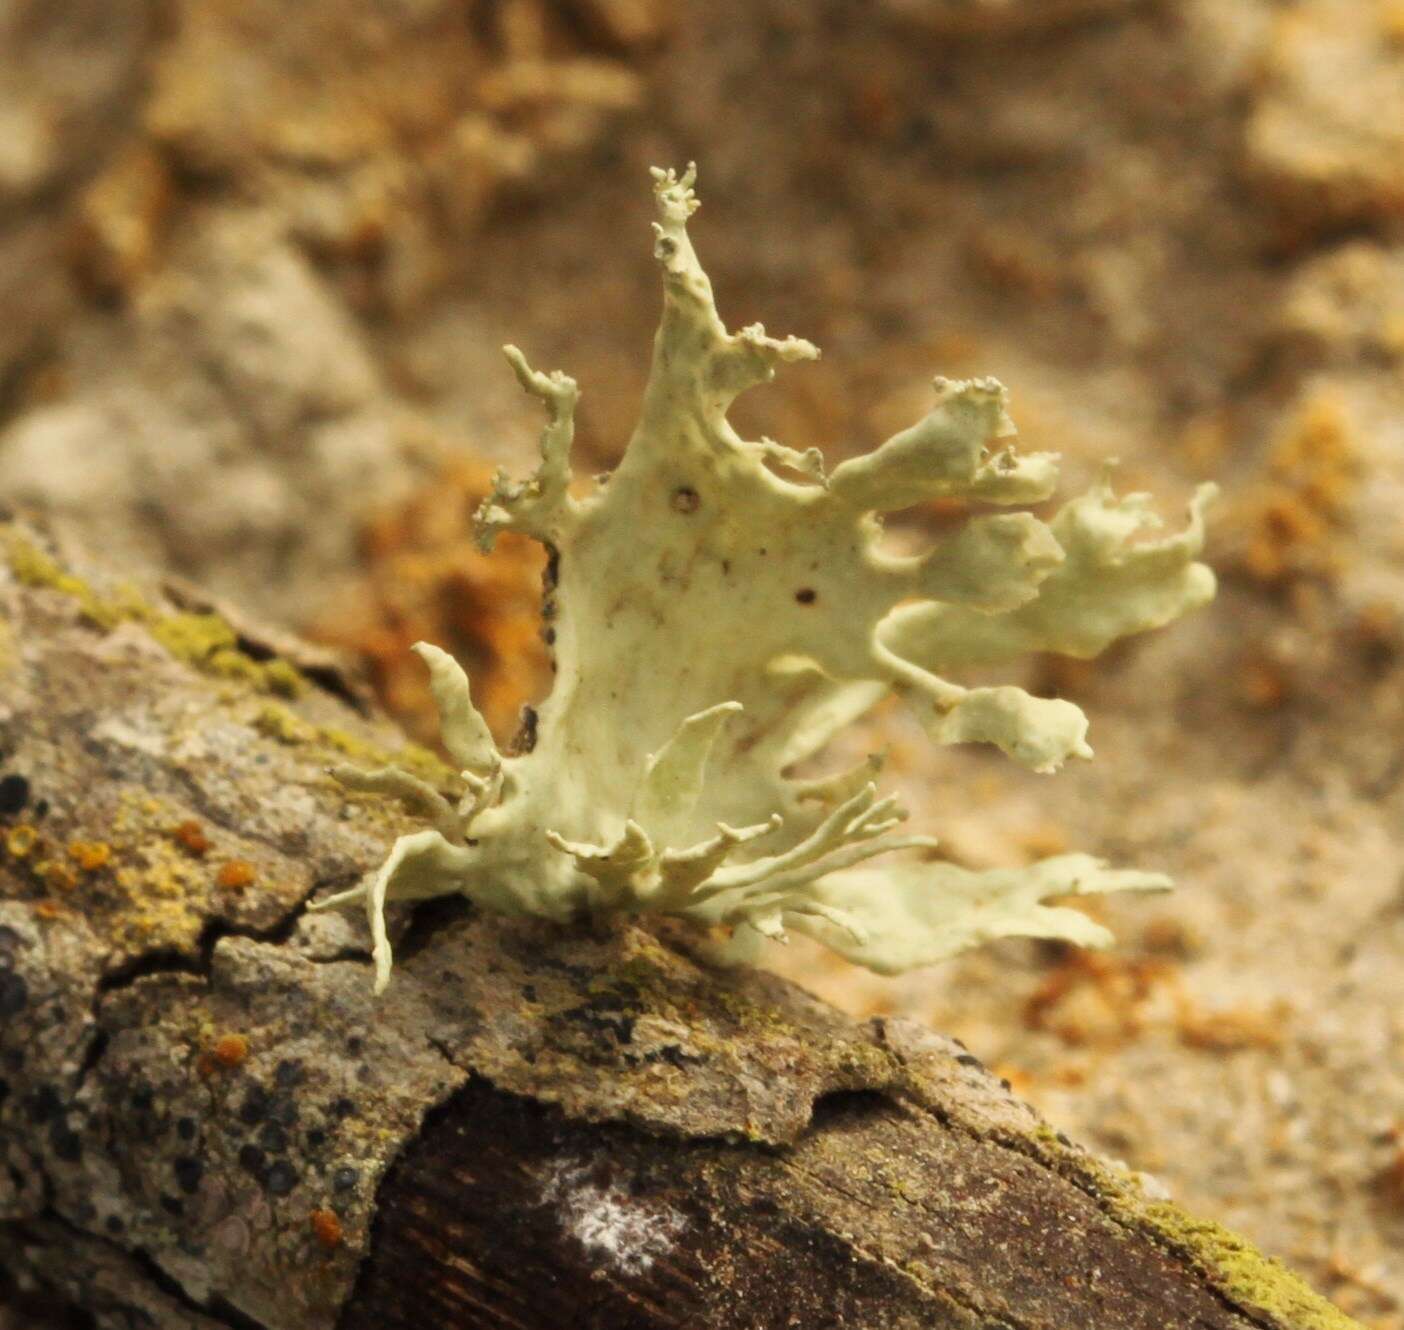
x=623, y=1231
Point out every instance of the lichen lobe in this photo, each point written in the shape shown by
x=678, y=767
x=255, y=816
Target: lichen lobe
x=723, y=608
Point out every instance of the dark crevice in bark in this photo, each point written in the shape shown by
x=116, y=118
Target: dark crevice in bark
x=217, y=1310
x=170, y=960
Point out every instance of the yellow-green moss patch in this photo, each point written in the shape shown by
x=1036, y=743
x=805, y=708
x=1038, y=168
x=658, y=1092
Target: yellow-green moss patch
x=204, y=641
x=1251, y=1280
x=210, y=645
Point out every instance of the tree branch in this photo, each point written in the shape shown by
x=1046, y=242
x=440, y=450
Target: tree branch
x=206, y=1119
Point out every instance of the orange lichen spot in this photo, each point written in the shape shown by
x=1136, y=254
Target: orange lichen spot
x=1089, y=999
x=1289, y=520
x=1019, y=1080
x=1263, y=684
x=230, y=1050
x=1170, y=936
x=190, y=835
x=1205, y=440
x=90, y=855
x=1064, y=676
x=21, y=840
x=326, y=1227
x=1231, y=1030
x=426, y=580
x=49, y=909
x=235, y=874
x=56, y=875
x=1016, y=261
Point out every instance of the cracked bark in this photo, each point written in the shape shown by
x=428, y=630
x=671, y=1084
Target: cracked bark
x=207, y=1121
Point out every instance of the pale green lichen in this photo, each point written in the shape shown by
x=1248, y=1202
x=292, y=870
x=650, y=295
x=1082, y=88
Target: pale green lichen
x=716, y=623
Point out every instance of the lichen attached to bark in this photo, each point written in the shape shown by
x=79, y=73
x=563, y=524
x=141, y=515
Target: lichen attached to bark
x=721, y=609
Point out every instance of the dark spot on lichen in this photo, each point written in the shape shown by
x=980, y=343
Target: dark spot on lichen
x=673, y=1054
x=525, y=739
x=273, y=1138
x=14, y=794
x=345, y=1179
x=289, y=1073
x=188, y=1172
x=970, y=1060
x=185, y=1129
x=686, y=499
x=14, y=994
x=342, y=1108
x=67, y=1145
x=283, y=1110
x=115, y=1224
x=173, y=1206
x=251, y=1160
x=44, y=1104
x=806, y=595
x=255, y=1106
x=281, y=1178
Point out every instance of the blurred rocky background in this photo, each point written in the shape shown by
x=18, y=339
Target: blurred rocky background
x=257, y=259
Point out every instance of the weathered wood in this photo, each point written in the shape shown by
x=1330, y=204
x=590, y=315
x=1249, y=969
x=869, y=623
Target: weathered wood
x=207, y=1121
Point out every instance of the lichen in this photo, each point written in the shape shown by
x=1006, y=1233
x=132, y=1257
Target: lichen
x=206, y=642
x=720, y=609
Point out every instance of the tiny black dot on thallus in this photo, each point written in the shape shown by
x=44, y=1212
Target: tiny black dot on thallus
x=255, y=1107
x=273, y=1138
x=344, y=1179
x=188, y=1172
x=14, y=993
x=65, y=1142
x=14, y=794
x=281, y=1178
x=686, y=499
x=806, y=595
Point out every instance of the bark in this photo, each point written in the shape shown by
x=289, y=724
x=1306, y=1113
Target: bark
x=206, y=1120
